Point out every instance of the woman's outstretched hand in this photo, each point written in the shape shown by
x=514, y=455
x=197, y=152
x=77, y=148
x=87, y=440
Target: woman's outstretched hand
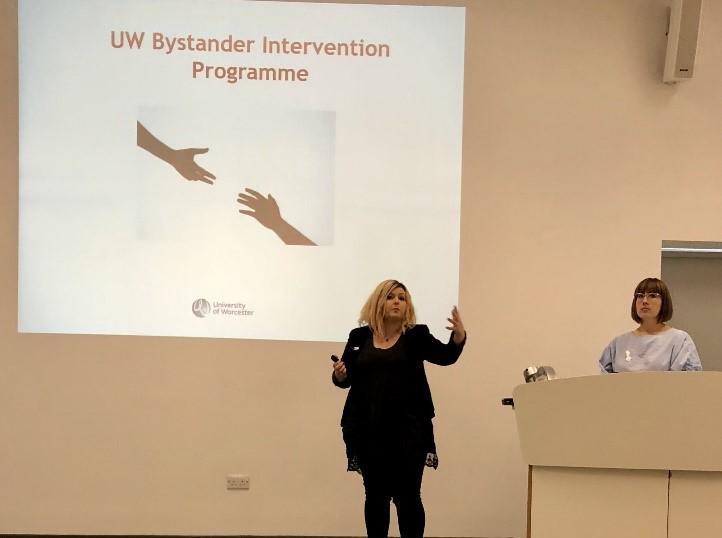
x=457, y=326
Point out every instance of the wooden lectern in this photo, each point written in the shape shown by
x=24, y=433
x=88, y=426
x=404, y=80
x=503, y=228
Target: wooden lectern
x=634, y=455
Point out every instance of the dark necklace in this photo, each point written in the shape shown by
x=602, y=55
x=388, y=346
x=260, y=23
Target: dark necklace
x=392, y=336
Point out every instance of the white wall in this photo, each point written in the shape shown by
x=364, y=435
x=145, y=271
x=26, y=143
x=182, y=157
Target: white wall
x=578, y=161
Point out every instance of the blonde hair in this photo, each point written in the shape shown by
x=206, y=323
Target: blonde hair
x=372, y=312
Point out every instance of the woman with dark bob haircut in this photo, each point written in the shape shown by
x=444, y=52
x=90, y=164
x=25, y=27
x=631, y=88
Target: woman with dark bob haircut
x=386, y=420
x=653, y=345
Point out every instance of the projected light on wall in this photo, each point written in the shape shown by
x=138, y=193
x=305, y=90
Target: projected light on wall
x=235, y=169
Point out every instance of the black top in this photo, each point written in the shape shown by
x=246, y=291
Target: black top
x=383, y=392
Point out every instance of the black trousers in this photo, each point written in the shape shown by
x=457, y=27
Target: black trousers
x=393, y=477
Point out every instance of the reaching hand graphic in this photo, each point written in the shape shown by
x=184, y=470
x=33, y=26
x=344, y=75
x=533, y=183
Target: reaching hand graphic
x=183, y=160
x=266, y=211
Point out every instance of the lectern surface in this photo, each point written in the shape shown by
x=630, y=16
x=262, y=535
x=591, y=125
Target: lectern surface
x=648, y=420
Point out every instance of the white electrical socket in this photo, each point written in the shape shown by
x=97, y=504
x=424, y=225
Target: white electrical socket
x=238, y=481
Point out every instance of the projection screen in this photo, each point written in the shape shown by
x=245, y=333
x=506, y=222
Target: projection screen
x=235, y=169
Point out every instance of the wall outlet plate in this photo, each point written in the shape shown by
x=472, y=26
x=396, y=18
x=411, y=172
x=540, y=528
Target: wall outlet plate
x=238, y=481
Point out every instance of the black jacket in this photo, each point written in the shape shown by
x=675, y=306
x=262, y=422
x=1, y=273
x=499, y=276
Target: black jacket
x=422, y=346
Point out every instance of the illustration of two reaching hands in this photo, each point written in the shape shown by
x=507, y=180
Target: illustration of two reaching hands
x=264, y=209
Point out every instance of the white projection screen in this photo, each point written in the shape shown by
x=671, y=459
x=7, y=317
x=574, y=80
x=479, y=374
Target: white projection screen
x=141, y=122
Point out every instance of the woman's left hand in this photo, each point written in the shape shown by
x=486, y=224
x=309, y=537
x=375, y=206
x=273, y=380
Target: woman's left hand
x=457, y=326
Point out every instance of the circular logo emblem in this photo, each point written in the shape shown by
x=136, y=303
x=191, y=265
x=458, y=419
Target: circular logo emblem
x=201, y=308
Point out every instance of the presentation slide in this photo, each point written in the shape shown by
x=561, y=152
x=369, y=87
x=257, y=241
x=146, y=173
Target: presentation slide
x=235, y=169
